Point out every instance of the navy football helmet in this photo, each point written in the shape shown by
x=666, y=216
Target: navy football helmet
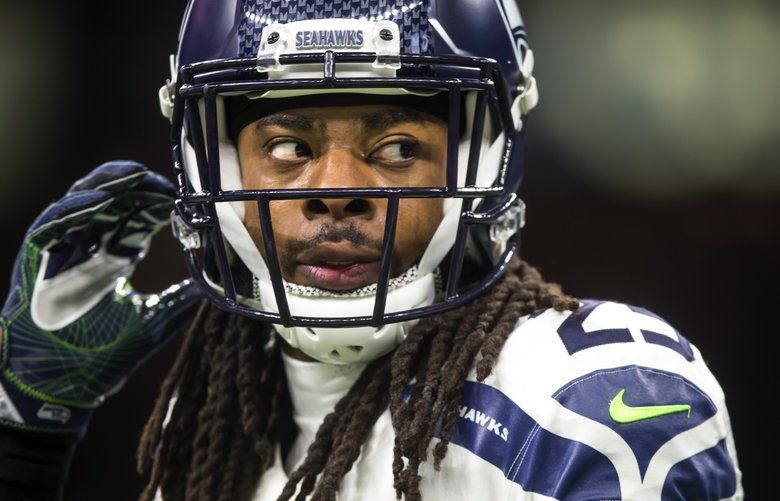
x=472, y=56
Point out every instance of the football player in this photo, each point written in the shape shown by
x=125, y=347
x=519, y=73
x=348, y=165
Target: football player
x=346, y=199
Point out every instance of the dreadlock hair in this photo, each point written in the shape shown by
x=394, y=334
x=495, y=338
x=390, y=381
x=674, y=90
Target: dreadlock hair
x=224, y=407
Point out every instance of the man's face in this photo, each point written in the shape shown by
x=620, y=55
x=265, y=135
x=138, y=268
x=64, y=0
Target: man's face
x=336, y=244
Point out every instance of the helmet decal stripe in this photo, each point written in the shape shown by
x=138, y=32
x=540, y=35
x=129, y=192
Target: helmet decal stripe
x=515, y=25
x=410, y=15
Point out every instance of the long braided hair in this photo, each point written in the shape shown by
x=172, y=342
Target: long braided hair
x=224, y=407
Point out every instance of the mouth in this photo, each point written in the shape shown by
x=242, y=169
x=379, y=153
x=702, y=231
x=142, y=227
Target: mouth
x=337, y=267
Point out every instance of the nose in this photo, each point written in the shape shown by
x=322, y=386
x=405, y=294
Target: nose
x=341, y=169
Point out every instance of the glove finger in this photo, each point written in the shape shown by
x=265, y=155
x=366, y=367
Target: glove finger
x=139, y=212
x=122, y=226
x=119, y=176
x=153, y=182
x=132, y=236
x=89, y=195
x=71, y=213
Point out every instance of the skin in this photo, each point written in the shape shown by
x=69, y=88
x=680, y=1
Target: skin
x=335, y=244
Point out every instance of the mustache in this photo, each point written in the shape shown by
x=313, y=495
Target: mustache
x=348, y=232
x=335, y=233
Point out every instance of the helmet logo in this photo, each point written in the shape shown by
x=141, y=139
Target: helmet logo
x=329, y=39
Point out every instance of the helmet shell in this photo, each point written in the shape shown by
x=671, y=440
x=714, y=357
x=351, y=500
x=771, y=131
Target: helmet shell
x=226, y=29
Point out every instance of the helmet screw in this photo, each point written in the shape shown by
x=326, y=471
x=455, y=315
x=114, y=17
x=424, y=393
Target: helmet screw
x=386, y=35
x=273, y=37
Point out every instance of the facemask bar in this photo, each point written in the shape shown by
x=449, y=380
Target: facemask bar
x=197, y=211
x=475, y=149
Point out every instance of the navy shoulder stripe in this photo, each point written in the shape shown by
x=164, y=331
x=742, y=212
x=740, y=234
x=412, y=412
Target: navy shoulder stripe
x=497, y=430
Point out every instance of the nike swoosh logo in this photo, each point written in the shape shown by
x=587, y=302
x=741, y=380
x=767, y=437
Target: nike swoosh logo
x=623, y=414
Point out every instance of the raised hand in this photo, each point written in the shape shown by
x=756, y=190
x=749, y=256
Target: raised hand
x=72, y=328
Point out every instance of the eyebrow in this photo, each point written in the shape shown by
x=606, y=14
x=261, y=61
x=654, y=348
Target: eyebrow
x=286, y=121
x=375, y=121
x=381, y=120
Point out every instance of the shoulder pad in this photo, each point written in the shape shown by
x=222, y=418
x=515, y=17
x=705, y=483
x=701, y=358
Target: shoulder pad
x=617, y=395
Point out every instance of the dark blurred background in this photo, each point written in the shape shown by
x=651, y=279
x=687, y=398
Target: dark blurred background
x=652, y=175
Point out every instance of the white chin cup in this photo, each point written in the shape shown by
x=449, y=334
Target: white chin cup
x=347, y=345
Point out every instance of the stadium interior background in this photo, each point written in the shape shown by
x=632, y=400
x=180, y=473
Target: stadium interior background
x=652, y=175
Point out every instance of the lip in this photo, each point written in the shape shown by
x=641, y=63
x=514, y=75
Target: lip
x=337, y=267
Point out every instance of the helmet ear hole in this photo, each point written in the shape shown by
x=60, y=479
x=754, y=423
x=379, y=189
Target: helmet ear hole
x=355, y=348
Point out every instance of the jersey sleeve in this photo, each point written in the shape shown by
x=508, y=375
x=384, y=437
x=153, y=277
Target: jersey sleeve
x=611, y=402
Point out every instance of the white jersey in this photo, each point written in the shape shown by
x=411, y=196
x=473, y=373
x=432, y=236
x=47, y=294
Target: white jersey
x=608, y=403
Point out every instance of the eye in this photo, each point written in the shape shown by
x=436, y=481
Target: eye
x=289, y=151
x=396, y=152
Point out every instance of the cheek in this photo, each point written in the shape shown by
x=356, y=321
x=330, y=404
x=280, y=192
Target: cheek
x=285, y=217
x=252, y=221
x=417, y=222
